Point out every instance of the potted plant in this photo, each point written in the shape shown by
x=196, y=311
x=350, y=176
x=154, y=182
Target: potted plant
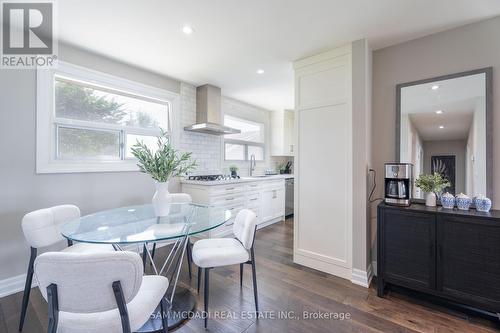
x=281, y=168
x=162, y=165
x=432, y=184
x=234, y=170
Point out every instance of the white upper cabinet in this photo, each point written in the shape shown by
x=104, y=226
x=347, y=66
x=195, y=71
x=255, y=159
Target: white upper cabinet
x=283, y=133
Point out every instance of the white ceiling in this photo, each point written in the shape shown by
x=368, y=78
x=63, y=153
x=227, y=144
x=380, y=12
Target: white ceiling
x=456, y=98
x=234, y=38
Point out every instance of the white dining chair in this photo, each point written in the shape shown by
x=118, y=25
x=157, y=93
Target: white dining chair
x=217, y=252
x=99, y=292
x=41, y=229
x=181, y=201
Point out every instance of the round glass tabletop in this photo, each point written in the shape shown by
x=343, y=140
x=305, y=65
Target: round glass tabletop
x=139, y=224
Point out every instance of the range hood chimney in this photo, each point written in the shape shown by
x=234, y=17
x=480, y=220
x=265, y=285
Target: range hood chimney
x=208, y=112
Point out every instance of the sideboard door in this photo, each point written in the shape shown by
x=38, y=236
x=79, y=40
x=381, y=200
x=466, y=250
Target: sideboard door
x=408, y=251
x=469, y=260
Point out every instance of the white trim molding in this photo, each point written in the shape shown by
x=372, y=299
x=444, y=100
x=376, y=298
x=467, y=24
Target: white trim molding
x=361, y=277
x=14, y=285
x=46, y=121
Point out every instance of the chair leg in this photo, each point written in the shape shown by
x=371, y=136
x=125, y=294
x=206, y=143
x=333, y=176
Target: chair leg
x=188, y=256
x=199, y=278
x=153, y=251
x=164, y=315
x=205, y=291
x=144, y=256
x=254, y=276
x=52, y=300
x=241, y=275
x=27, y=288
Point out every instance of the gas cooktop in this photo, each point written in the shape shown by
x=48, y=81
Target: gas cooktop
x=210, y=178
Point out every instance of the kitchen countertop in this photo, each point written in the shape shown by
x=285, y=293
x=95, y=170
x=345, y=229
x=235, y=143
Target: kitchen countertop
x=237, y=180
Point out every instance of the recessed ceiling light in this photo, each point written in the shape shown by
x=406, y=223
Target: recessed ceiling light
x=187, y=29
x=439, y=111
x=435, y=87
x=441, y=127
x=260, y=71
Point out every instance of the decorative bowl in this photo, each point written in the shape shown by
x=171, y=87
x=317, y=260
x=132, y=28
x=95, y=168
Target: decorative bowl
x=483, y=204
x=463, y=201
x=448, y=201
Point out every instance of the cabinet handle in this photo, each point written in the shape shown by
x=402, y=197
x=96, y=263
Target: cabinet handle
x=274, y=194
x=229, y=188
x=291, y=148
x=229, y=199
x=254, y=199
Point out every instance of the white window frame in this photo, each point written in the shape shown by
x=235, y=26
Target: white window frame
x=46, y=123
x=244, y=142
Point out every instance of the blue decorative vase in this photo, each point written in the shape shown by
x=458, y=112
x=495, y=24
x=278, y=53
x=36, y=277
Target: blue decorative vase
x=448, y=201
x=463, y=201
x=483, y=204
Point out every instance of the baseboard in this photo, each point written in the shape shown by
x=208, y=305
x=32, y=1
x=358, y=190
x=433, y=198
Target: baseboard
x=14, y=285
x=323, y=266
x=267, y=223
x=362, y=278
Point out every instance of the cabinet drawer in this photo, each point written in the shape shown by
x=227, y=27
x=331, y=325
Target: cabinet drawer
x=253, y=200
x=225, y=200
x=227, y=189
x=253, y=186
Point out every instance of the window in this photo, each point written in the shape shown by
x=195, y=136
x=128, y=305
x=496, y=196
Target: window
x=241, y=146
x=88, y=121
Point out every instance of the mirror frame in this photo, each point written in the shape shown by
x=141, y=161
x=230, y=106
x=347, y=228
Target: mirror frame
x=488, y=71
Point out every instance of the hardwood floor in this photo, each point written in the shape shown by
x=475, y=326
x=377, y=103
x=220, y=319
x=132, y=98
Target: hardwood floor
x=285, y=286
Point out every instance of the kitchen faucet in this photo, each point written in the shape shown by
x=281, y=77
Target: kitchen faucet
x=252, y=164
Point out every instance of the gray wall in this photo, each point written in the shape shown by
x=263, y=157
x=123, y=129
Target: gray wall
x=22, y=190
x=464, y=48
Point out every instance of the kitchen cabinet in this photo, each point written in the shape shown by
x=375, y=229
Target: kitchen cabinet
x=450, y=254
x=266, y=198
x=283, y=133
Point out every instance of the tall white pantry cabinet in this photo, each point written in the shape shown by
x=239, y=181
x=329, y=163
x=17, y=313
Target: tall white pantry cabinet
x=323, y=164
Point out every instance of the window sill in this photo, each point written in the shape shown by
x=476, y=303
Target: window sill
x=83, y=167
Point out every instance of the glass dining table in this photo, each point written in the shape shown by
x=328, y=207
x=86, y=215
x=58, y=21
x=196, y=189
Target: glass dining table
x=123, y=227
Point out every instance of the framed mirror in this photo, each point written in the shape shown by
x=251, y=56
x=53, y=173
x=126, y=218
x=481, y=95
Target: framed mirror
x=444, y=124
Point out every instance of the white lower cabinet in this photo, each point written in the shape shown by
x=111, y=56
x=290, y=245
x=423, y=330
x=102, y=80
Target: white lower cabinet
x=266, y=198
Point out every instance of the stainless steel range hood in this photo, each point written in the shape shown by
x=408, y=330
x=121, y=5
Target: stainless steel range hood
x=208, y=112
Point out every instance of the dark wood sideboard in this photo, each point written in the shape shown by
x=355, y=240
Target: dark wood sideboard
x=452, y=254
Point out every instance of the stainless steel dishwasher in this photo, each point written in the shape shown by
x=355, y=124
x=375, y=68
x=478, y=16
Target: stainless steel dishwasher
x=288, y=197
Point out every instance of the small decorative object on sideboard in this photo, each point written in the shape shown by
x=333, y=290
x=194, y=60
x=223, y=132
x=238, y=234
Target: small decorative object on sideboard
x=234, y=170
x=483, y=204
x=162, y=163
x=463, y=201
x=448, y=201
x=432, y=184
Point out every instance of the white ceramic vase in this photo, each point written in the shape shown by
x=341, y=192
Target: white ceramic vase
x=161, y=199
x=430, y=200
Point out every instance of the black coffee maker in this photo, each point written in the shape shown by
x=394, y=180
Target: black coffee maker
x=398, y=183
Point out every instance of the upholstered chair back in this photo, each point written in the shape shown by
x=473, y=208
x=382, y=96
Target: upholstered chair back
x=84, y=280
x=41, y=227
x=244, y=227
